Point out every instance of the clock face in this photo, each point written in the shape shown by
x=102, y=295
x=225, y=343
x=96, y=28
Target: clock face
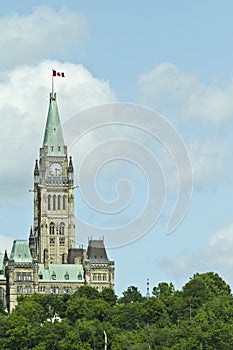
x=55, y=169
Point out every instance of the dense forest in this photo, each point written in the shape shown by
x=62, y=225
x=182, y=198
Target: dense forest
x=199, y=316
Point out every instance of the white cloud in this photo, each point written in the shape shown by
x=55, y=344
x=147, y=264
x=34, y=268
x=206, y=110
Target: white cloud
x=24, y=97
x=41, y=34
x=220, y=246
x=216, y=256
x=169, y=89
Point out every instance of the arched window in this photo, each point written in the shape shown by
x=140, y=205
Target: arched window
x=62, y=228
x=49, y=202
x=59, y=202
x=52, y=228
x=64, y=202
x=54, y=202
x=62, y=241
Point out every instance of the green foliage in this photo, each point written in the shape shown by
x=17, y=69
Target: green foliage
x=163, y=290
x=109, y=296
x=206, y=286
x=88, y=292
x=80, y=308
x=198, y=316
x=132, y=294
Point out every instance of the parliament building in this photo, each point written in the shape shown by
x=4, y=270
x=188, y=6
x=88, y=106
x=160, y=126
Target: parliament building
x=49, y=261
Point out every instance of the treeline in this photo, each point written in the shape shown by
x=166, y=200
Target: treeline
x=200, y=316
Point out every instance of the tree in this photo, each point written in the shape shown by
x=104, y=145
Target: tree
x=88, y=292
x=154, y=312
x=31, y=310
x=204, y=287
x=91, y=332
x=128, y=316
x=108, y=295
x=163, y=290
x=131, y=295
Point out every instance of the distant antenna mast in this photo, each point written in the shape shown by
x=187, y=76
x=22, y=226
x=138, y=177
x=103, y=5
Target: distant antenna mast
x=147, y=288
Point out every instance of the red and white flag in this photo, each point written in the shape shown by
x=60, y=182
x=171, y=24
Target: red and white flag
x=58, y=74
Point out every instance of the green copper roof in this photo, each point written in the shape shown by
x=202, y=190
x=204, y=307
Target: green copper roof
x=61, y=273
x=53, y=137
x=20, y=252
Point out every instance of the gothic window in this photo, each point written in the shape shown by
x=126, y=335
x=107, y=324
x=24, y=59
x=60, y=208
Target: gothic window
x=99, y=277
x=64, y=202
x=59, y=202
x=94, y=278
x=41, y=289
x=62, y=228
x=49, y=202
x=104, y=277
x=52, y=241
x=61, y=241
x=52, y=228
x=54, y=202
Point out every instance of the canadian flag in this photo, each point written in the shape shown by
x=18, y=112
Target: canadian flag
x=58, y=74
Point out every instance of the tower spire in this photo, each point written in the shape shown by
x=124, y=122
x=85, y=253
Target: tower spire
x=53, y=137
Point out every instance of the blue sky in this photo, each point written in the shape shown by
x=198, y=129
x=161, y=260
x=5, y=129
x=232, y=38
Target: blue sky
x=172, y=56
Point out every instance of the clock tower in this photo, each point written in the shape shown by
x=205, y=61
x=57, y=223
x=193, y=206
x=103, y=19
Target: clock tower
x=54, y=220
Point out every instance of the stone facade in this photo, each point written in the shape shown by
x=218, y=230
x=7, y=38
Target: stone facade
x=49, y=261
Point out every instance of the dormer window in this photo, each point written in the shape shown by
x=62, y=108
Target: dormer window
x=59, y=148
x=67, y=277
x=53, y=276
x=52, y=148
x=40, y=276
x=80, y=276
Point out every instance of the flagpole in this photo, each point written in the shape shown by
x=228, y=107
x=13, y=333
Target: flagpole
x=52, y=84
